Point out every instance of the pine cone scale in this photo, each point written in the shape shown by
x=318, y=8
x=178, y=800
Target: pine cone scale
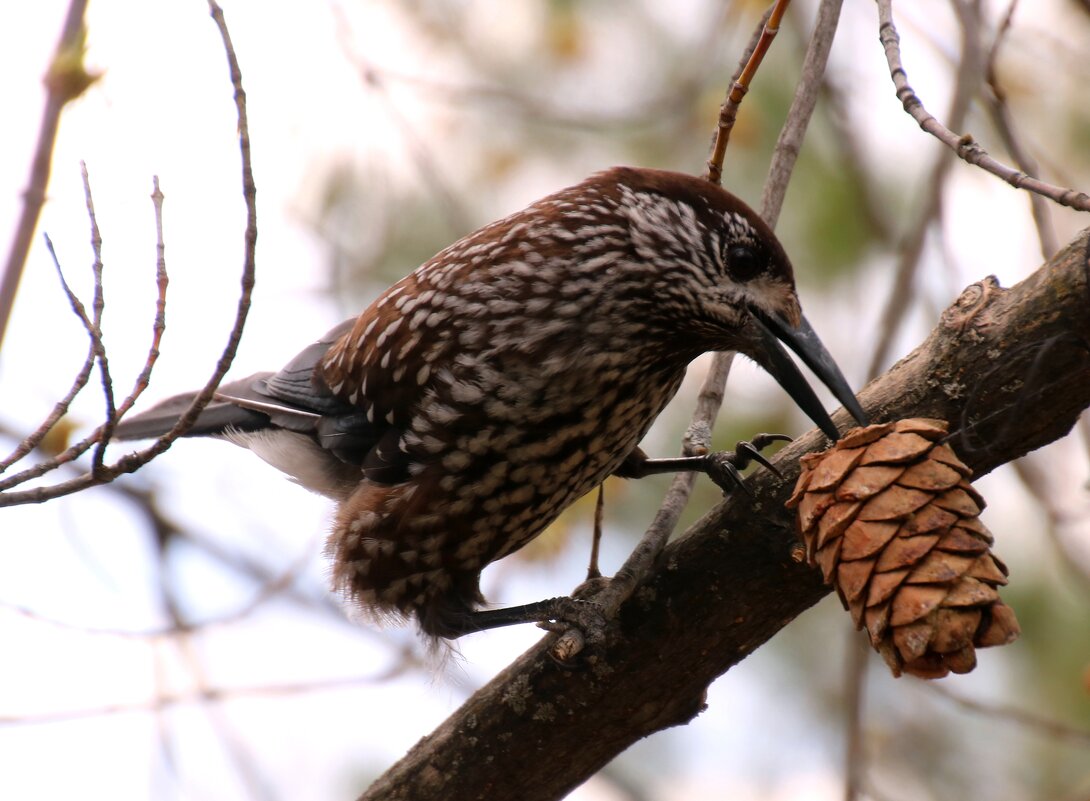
x=890, y=518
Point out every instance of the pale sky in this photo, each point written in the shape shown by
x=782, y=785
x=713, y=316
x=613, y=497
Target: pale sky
x=164, y=107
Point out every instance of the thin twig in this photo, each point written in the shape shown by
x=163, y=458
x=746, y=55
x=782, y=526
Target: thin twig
x=60, y=409
x=751, y=60
x=911, y=249
x=96, y=352
x=159, y=323
x=98, y=304
x=134, y=461
x=66, y=80
x=963, y=145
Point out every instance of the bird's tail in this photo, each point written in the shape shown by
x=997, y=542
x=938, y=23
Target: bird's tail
x=218, y=417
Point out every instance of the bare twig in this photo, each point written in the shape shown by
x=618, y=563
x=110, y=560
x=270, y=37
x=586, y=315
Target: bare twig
x=963, y=145
x=159, y=323
x=66, y=80
x=133, y=461
x=96, y=350
x=60, y=409
x=802, y=109
x=97, y=305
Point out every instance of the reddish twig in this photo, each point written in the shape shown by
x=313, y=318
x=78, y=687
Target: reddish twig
x=728, y=112
x=101, y=473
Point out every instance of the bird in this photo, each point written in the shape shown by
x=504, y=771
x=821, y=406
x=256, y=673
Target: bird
x=510, y=374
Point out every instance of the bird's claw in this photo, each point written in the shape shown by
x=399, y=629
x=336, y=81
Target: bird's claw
x=587, y=616
x=725, y=467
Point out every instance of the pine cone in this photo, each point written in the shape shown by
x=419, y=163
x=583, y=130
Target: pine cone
x=889, y=515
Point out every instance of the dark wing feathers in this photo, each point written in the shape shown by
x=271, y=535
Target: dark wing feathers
x=216, y=417
x=297, y=398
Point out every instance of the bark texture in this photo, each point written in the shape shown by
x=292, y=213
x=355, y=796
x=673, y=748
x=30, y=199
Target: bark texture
x=1010, y=370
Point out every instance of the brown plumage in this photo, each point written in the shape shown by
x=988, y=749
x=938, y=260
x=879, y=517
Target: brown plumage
x=475, y=399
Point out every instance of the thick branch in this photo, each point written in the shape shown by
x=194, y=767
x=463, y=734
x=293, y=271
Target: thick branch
x=1009, y=368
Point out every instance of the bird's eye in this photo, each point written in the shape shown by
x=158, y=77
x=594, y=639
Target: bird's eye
x=743, y=262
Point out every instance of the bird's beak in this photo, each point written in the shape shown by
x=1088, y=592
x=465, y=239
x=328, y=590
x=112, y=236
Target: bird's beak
x=804, y=341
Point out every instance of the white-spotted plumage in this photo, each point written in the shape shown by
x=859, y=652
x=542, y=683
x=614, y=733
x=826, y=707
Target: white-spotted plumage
x=509, y=375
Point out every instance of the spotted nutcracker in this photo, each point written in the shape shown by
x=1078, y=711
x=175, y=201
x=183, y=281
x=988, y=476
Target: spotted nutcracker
x=483, y=393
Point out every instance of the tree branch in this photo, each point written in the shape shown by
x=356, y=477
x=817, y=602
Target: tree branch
x=1009, y=368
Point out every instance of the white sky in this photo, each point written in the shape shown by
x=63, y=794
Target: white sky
x=164, y=107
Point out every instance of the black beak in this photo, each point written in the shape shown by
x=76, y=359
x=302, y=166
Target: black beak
x=780, y=366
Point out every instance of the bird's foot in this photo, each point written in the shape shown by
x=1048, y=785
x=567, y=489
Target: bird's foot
x=725, y=467
x=583, y=614
x=552, y=614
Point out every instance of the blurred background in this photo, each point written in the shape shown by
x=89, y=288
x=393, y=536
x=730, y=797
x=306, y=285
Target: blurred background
x=171, y=636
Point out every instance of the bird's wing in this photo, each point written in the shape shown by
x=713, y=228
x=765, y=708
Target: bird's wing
x=379, y=369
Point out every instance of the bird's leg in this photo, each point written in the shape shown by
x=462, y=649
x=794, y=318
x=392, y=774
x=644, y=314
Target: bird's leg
x=722, y=467
x=554, y=614
x=593, y=572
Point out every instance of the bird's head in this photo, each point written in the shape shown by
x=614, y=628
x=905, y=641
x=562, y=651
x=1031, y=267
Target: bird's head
x=724, y=272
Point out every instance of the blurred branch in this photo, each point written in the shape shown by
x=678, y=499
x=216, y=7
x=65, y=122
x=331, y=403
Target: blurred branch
x=66, y=79
x=1004, y=123
x=418, y=147
x=710, y=400
x=205, y=694
x=802, y=109
x=101, y=473
x=1040, y=481
x=1013, y=715
x=965, y=88
x=963, y=145
x=897, y=306
x=855, y=685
